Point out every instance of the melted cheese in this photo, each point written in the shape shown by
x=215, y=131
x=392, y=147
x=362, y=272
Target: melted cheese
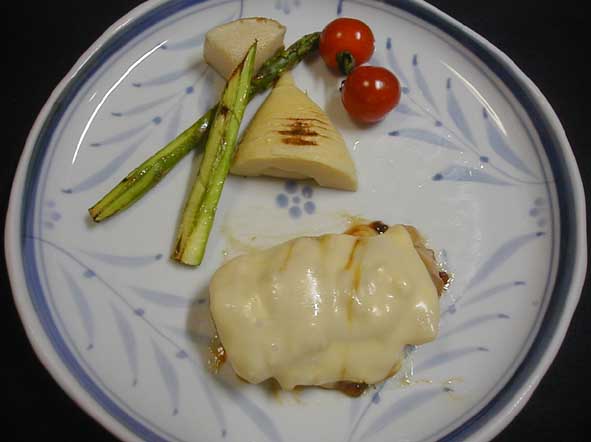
x=291, y=137
x=313, y=311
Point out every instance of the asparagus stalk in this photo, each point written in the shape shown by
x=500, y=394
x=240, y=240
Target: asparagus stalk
x=140, y=180
x=150, y=172
x=201, y=207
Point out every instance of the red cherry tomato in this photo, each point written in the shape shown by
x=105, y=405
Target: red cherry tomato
x=369, y=93
x=346, y=35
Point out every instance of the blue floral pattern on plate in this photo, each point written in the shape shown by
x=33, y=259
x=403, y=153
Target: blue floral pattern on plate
x=296, y=199
x=133, y=309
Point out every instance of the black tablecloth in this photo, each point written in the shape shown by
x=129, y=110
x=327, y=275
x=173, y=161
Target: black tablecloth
x=547, y=40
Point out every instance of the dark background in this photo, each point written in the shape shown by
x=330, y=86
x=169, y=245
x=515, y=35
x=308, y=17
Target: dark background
x=548, y=40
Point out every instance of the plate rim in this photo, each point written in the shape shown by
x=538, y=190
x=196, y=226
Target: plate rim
x=481, y=430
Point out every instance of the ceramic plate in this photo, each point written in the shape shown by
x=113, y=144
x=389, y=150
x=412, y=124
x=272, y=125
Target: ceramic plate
x=473, y=156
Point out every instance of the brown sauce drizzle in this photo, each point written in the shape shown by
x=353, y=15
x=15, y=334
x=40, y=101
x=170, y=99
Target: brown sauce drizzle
x=360, y=230
x=368, y=229
x=217, y=354
x=379, y=227
x=287, y=256
x=352, y=254
x=351, y=389
x=357, y=278
x=440, y=278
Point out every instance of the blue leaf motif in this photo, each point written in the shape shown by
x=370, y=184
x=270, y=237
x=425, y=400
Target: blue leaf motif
x=449, y=309
x=400, y=409
x=124, y=261
x=193, y=336
x=122, y=136
x=374, y=400
x=375, y=397
x=284, y=5
x=468, y=174
x=393, y=62
x=497, y=141
x=209, y=96
x=424, y=136
x=502, y=254
x=486, y=294
x=129, y=342
x=160, y=80
x=354, y=407
x=448, y=356
x=474, y=322
x=141, y=108
x=173, y=126
x=375, y=60
x=169, y=377
x=212, y=400
x=422, y=83
x=107, y=170
x=162, y=298
x=256, y=414
x=403, y=108
x=456, y=113
x=83, y=308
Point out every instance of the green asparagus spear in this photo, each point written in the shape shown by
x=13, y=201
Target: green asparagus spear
x=151, y=171
x=214, y=140
x=202, y=204
x=139, y=181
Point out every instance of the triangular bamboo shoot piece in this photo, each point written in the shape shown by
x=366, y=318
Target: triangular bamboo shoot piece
x=291, y=137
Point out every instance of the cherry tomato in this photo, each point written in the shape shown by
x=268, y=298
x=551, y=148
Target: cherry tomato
x=346, y=35
x=369, y=93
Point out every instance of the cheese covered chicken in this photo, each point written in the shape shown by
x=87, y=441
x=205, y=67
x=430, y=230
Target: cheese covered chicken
x=328, y=310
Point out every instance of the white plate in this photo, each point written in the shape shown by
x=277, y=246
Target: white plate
x=474, y=157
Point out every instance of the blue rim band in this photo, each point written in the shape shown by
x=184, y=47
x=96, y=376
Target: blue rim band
x=517, y=86
x=566, y=209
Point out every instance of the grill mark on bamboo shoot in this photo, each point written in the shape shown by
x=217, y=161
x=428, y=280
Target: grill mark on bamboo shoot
x=300, y=132
x=298, y=141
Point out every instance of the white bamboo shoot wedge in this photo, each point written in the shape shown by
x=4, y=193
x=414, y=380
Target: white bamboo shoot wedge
x=291, y=137
x=226, y=45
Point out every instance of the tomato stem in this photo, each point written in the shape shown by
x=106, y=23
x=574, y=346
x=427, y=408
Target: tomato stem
x=346, y=62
